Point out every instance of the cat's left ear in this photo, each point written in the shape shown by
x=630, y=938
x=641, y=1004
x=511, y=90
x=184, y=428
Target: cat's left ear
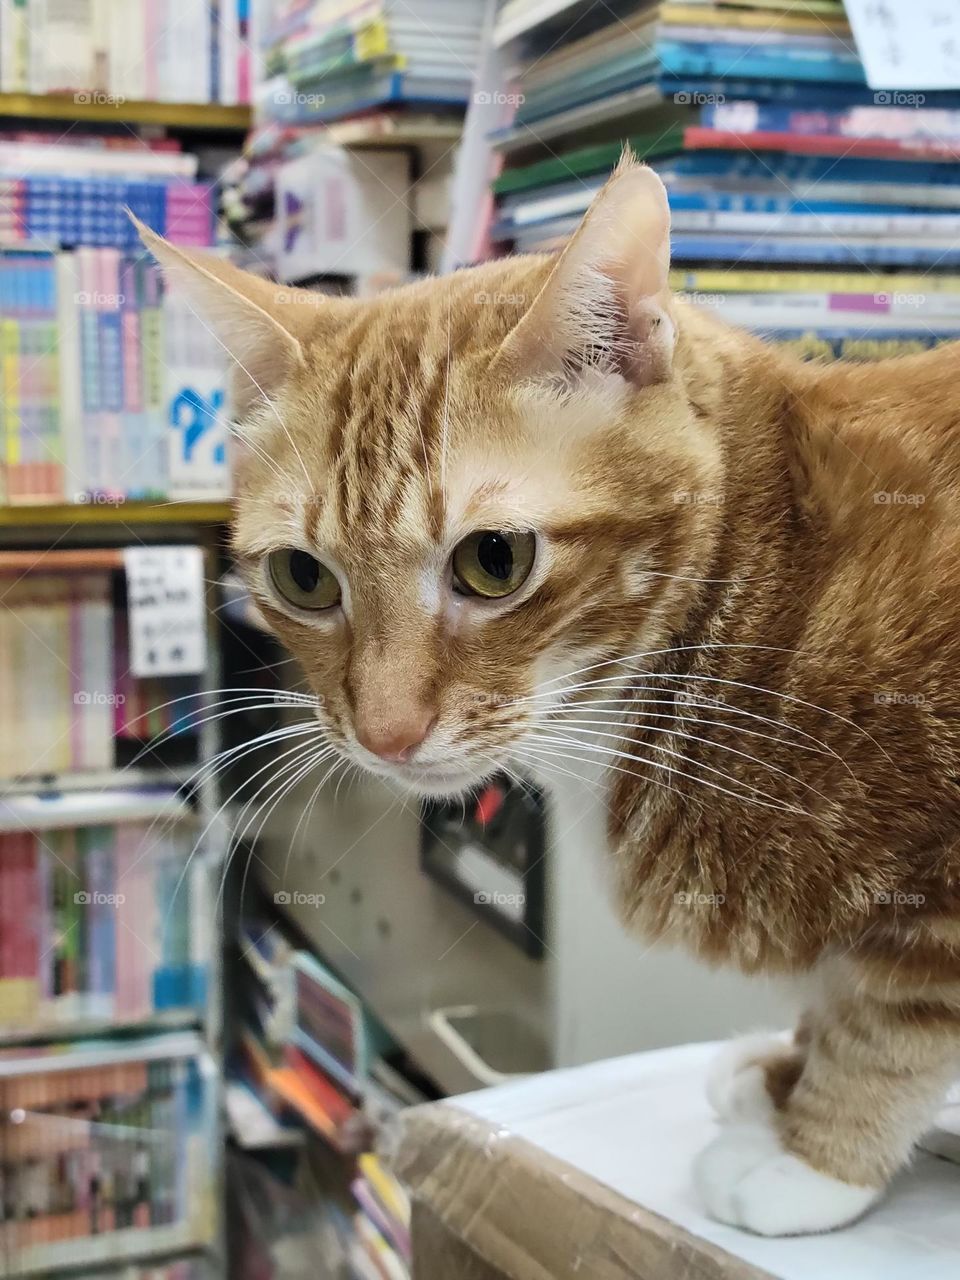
x=263, y=327
x=606, y=303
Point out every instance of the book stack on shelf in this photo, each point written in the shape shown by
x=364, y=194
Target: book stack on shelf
x=313, y=1059
x=100, y=924
x=114, y=388
x=108, y=1150
x=66, y=678
x=805, y=204
x=382, y=1222
x=327, y=59
x=64, y=192
x=127, y=49
x=378, y=77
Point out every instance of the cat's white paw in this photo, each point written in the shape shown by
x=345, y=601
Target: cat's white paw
x=747, y=1179
x=736, y=1085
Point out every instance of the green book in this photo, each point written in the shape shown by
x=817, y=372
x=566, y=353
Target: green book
x=588, y=160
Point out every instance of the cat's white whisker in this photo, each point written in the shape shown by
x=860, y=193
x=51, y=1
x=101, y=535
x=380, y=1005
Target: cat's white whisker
x=702, y=701
x=301, y=769
x=201, y=838
x=767, y=801
x=584, y=726
x=617, y=706
x=656, y=653
x=209, y=769
x=696, y=676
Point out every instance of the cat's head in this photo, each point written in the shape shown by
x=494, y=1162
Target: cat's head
x=455, y=495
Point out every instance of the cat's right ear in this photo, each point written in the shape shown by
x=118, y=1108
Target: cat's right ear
x=262, y=326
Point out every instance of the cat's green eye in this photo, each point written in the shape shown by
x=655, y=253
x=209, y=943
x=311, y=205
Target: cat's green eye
x=302, y=580
x=493, y=563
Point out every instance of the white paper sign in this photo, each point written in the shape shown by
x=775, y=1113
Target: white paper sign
x=165, y=610
x=908, y=44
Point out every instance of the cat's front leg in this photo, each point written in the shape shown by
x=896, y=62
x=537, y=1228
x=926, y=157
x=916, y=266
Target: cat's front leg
x=813, y=1131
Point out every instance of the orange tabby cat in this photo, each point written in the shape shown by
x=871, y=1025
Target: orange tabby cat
x=541, y=512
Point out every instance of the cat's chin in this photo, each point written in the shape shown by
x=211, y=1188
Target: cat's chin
x=429, y=782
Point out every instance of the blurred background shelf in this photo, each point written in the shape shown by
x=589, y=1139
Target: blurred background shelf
x=124, y=513
x=104, y=108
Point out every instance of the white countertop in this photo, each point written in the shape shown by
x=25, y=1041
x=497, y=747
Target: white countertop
x=635, y=1125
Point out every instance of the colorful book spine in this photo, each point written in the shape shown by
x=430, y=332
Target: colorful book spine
x=96, y=925
x=123, y=1146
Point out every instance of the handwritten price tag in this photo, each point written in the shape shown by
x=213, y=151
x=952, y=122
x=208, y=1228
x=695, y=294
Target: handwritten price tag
x=908, y=44
x=165, y=610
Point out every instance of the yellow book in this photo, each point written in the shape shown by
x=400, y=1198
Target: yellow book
x=386, y=1186
x=717, y=281
x=814, y=24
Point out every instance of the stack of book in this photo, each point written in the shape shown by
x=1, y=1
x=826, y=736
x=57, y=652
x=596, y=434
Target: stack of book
x=115, y=50
x=99, y=924
x=113, y=388
x=382, y=1223
x=333, y=58
x=774, y=151
x=107, y=1150
x=58, y=193
x=66, y=683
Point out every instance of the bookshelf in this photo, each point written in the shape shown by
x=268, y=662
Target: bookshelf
x=98, y=108
x=71, y=514
x=173, y=1009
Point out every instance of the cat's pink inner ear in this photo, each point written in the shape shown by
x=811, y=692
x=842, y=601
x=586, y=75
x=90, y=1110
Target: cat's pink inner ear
x=607, y=300
x=262, y=326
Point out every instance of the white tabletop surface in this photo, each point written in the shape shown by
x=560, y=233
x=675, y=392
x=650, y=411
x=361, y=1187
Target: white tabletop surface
x=636, y=1123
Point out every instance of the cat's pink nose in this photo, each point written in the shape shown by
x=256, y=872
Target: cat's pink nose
x=397, y=739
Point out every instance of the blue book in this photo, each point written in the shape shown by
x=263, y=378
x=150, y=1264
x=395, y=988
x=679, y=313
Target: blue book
x=774, y=62
x=765, y=87
x=689, y=247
